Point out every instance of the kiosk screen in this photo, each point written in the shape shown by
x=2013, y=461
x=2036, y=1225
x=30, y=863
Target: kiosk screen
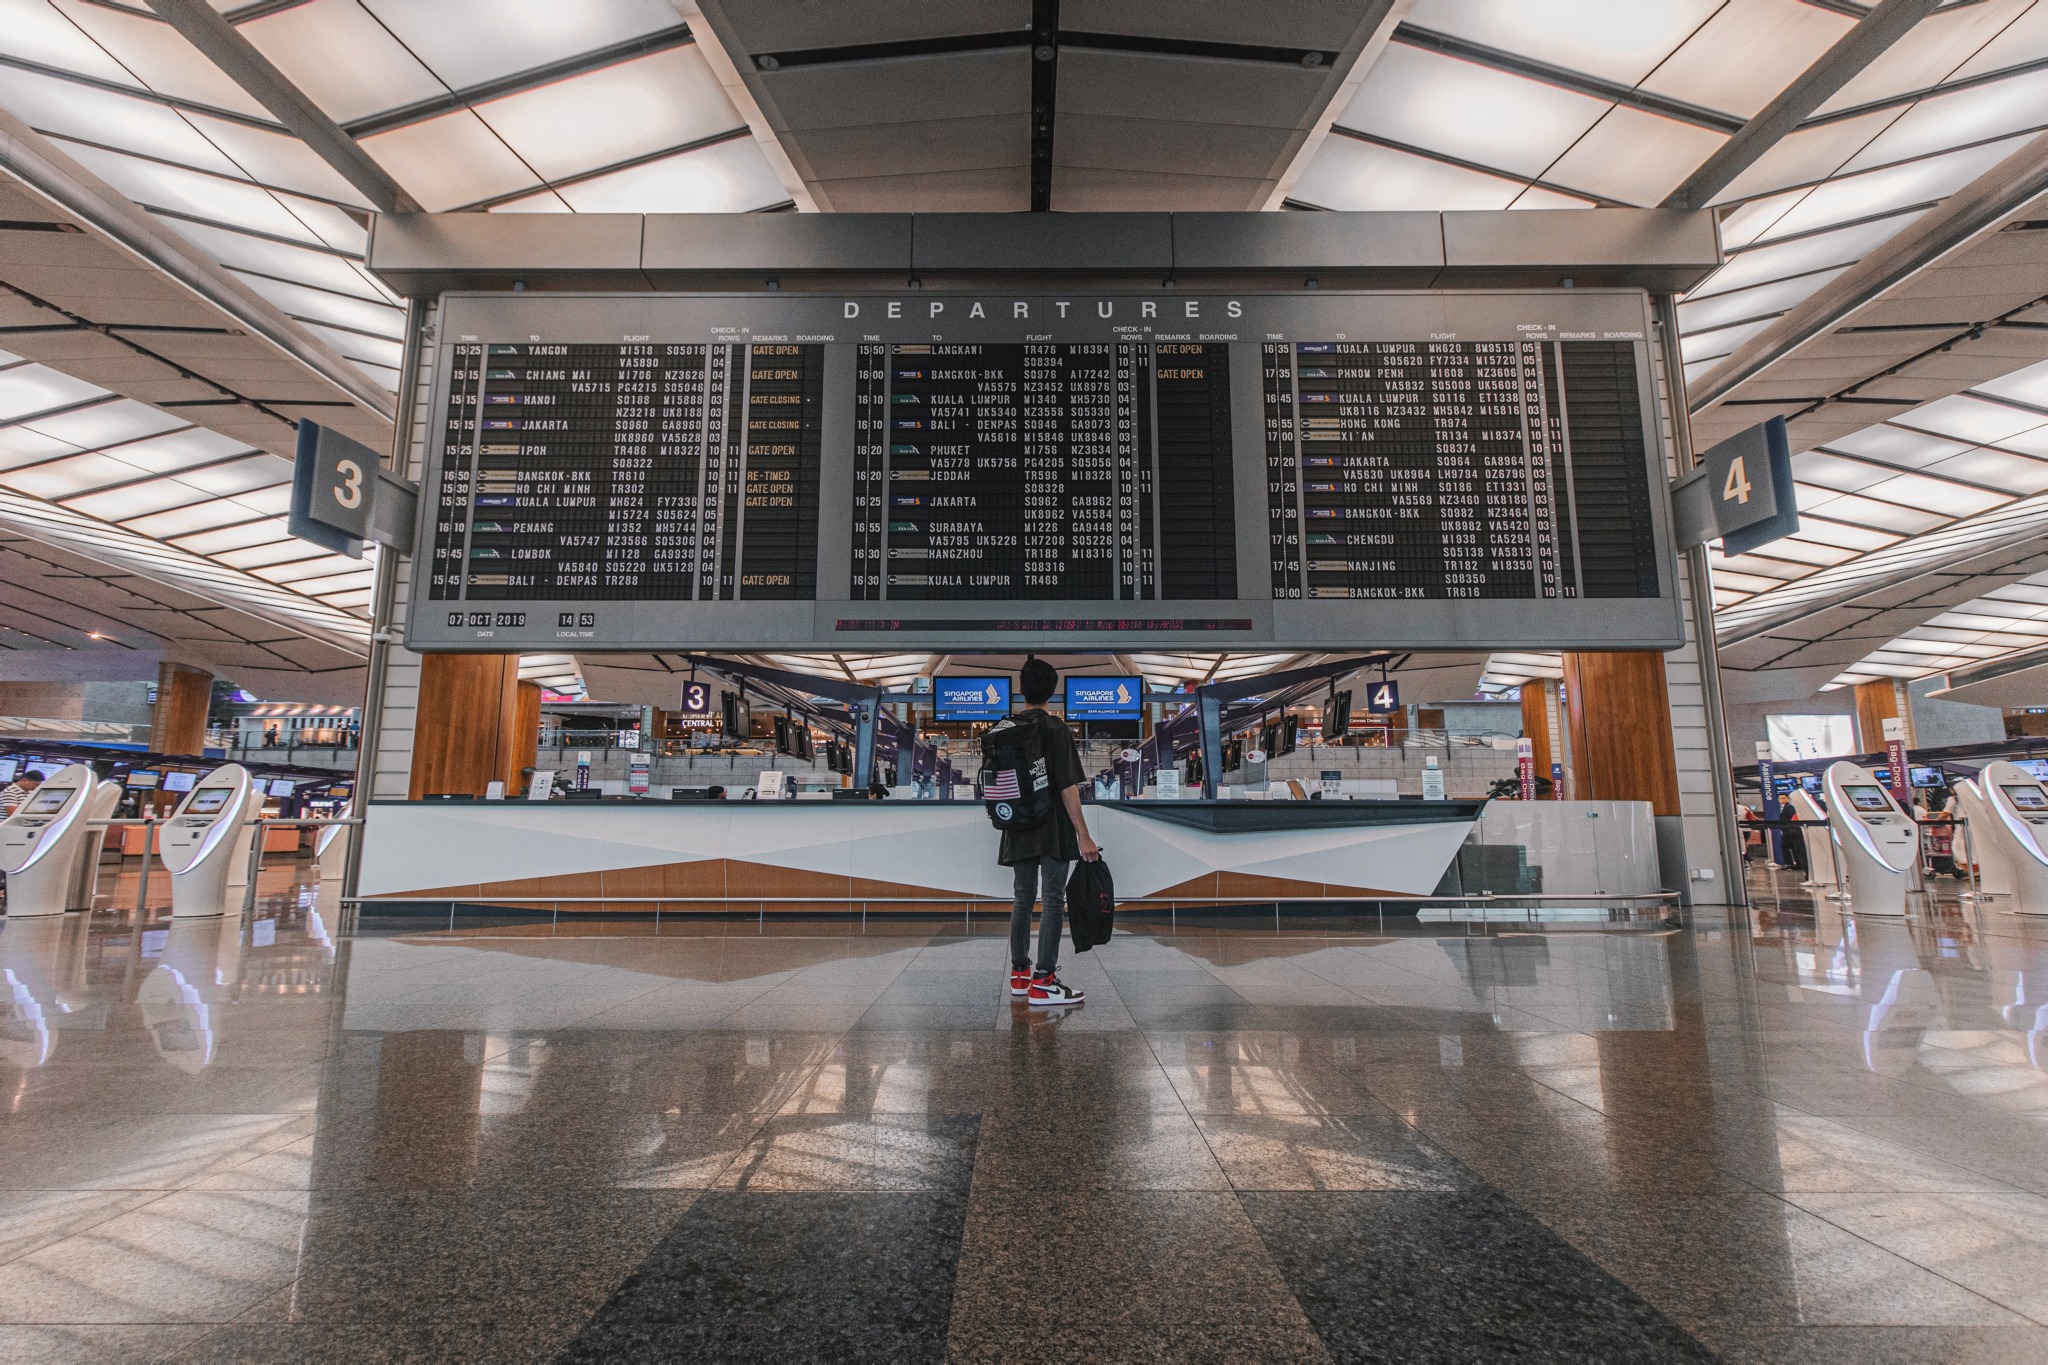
x=180, y=782
x=48, y=800
x=1229, y=471
x=208, y=801
x=1868, y=798
x=2027, y=796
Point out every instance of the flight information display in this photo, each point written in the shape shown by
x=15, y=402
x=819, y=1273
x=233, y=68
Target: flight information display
x=653, y=472
x=1457, y=469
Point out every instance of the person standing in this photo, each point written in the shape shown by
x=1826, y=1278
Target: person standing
x=1041, y=855
x=18, y=791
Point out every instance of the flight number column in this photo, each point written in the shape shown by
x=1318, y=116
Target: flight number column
x=1068, y=419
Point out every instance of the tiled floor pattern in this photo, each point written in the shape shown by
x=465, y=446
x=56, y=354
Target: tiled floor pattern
x=1782, y=1135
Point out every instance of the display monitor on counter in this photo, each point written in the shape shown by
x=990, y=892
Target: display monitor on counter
x=144, y=777
x=965, y=699
x=1105, y=698
x=281, y=787
x=180, y=782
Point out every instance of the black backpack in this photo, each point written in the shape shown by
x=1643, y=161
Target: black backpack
x=1091, y=904
x=1015, y=781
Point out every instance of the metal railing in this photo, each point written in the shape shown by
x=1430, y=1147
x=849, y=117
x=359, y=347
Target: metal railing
x=150, y=854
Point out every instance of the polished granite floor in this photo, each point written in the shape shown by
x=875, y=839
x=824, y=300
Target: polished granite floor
x=1784, y=1134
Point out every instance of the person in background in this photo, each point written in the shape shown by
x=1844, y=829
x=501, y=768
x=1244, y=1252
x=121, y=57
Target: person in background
x=877, y=792
x=18, y=791
x=1041, y=855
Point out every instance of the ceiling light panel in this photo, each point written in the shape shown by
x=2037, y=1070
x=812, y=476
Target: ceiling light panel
x=614, y=113
x=109, y=423
x=160, y=57
x=277, y=159
x=1472, y=112
x=2013, y=105
x=468, y=42
x=342, y=58
x=1896, y=445
x=1617, y=42
x=137, y=500
x=1633, y=156
x=1935, y=48
x=731, y=177
x=234, y=202
x=1803, y=255
x=450, y=161
x=1777, y=41
x=1894, y=188
x=1347, y=174
x=70, y=109
x=27, y=389
x=1971, y=419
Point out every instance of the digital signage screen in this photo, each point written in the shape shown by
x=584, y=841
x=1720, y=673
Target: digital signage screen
x=1104, y=469
x=970, y=698
x=1105, y=698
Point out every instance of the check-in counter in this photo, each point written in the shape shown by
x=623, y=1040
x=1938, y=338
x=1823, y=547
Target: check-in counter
x=849, y=856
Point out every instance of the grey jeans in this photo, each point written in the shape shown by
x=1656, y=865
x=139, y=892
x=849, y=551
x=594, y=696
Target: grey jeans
x=1050, y=874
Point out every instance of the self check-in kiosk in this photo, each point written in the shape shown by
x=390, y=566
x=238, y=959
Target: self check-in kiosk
x=1987, y=851
x=1821, y=874
x=87, y=883
x=41, y=843
x=1875, y=843
x=202, y=838
x=2018, y=828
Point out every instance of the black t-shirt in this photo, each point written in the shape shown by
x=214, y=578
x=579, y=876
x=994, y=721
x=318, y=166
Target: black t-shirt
x=1055, y=838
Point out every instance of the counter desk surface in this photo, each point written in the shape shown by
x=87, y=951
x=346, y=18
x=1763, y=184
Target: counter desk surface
x=628, y=854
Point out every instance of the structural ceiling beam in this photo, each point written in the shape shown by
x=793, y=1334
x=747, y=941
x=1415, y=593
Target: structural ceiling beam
x=30, y=157
x=206, y=29
x=1852, y=52
x=1974, y=209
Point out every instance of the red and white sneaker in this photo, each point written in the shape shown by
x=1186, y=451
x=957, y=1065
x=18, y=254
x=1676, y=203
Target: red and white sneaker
x=1020, y=981
x=1048, y=989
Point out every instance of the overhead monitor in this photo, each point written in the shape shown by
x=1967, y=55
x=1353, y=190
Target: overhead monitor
x=970, y=698
x=1104, y=698
x=1925, y=777
x=8, y=767
x=281, y=787
x=143, y=777
x=1867, y=798
x=180, y=782
x=2035, y=767
x=1075, y=469
x=48, y=800
x=2026, y=795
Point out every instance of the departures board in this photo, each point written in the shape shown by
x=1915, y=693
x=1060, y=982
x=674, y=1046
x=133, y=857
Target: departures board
x=1084, y=470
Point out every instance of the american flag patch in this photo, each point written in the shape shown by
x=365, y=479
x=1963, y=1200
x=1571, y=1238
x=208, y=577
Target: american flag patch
x=1002, y=786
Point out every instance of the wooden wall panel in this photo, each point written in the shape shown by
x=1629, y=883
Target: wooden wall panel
x=463, y=736
x=1619, y=710
x=1876, y=703
x=523, y=751
x=1536, y=726
x=178, y=724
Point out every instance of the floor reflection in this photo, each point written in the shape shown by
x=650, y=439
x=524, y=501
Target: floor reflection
x=1784, y=1130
